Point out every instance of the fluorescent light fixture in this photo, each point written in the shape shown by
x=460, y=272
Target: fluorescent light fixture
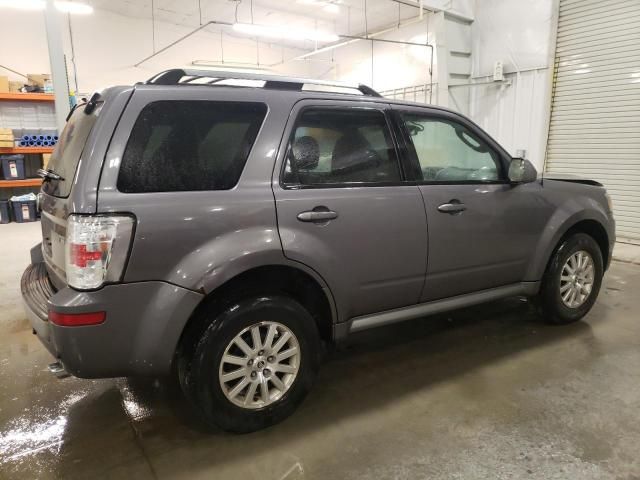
x=74, y=7
x=327, y=6
x=331, y=8
x=287, y=33
x=61, y=5
x=23, y=4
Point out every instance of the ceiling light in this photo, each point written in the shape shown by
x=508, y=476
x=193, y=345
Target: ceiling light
x=331, y=8
x=63, y=6
x=74, y=7
x=327, y=6
x=287, y=33
x=23, y=4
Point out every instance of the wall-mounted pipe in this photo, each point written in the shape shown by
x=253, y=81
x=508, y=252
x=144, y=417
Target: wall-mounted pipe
x=354, y=38
x=505, y=83
x=13, y=71
x=349, y=39
x=181, y=39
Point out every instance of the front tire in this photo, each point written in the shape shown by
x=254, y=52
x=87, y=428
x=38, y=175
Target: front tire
x=572, y=281
x=252, y=364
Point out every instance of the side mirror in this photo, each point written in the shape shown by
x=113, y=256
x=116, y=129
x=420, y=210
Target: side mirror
x=522, y=171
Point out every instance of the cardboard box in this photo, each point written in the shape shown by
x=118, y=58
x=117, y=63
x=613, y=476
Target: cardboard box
x=15, y=86
x=6, y=134
x=4, y=84
x=38, y=79
x=6, y=144
x=45, y=159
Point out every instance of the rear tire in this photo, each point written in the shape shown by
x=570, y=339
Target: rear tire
x=572, y=281
x=264, y=388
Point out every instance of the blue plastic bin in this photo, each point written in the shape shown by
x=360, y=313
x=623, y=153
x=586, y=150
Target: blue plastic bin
x=24, y=211
x=4, y=211
x=13, y=167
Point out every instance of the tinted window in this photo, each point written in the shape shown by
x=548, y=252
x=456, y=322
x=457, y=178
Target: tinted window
x=189, y=145
x=66, y=156
x=449, y=152
x=341, y=146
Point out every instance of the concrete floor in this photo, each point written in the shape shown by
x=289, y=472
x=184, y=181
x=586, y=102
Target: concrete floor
x=481, y=393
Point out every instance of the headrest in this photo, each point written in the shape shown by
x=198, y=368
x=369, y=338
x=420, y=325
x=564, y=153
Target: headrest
x=349, y=150
x=306, y=153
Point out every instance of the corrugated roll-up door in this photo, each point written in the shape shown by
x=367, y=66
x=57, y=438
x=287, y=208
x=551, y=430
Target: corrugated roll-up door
x=595, y=113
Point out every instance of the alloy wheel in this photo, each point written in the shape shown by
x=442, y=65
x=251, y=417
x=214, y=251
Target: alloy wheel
x=577, y=279
x=259, y=365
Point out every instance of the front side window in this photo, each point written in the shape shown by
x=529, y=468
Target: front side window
x=341, y=146
x=189, y=146
x=448, y=152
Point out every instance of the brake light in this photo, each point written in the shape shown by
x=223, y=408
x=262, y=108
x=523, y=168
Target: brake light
x=96, y=249
x=80, y=256
x=76, y=319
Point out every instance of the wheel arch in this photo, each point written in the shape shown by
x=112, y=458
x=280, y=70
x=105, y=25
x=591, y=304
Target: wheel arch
x=303, y=286
x=590, y=226
x=594, y=229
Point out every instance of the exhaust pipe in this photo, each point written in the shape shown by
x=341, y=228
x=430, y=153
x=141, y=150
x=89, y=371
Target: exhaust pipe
x=57, y=368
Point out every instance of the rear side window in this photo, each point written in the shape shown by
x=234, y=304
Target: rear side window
x=189, y=146
x=66, y=156
x=341, y=146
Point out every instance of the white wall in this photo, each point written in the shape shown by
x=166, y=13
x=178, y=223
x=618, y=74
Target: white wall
x=516, y=32
x=516, y=115
x=107, y=45
x=519, y=33
x=381, y=65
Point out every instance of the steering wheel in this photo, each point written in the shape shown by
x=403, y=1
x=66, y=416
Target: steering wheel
x=484, y=173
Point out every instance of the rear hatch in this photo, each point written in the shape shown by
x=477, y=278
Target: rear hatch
x=56, y=200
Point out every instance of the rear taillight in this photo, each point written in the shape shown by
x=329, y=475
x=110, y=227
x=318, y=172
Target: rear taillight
x=97, y=248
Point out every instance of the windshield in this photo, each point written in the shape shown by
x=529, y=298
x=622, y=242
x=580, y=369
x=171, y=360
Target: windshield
x=66, y=156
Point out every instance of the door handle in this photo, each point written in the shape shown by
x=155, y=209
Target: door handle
x=453, y=207
x=317, y=215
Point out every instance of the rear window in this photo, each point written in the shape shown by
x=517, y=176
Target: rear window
x=189, y=146
x=66, y=156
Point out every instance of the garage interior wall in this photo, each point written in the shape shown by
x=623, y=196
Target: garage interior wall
x=595, y=117
x=519, y=34
x=107, y=44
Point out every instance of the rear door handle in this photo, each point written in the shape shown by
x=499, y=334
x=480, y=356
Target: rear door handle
x=454, y=206
x=317, y=215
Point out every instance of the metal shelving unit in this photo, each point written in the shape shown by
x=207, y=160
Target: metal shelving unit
x=27, y=182
x=28, y=97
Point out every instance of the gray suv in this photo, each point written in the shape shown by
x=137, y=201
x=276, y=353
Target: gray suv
x=223, y=227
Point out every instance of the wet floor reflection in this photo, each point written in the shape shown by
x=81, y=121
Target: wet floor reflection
x=421, y=389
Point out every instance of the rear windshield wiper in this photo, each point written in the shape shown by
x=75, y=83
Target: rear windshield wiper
x=49, y=174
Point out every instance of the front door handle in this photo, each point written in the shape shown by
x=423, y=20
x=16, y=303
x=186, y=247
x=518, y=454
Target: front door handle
x=453, y=207
x=318, y=215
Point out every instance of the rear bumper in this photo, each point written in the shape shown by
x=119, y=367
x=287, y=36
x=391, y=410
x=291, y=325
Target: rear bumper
x=36, y=292
x=143, y=324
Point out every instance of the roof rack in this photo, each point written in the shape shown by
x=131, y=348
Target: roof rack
x=179, y=76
